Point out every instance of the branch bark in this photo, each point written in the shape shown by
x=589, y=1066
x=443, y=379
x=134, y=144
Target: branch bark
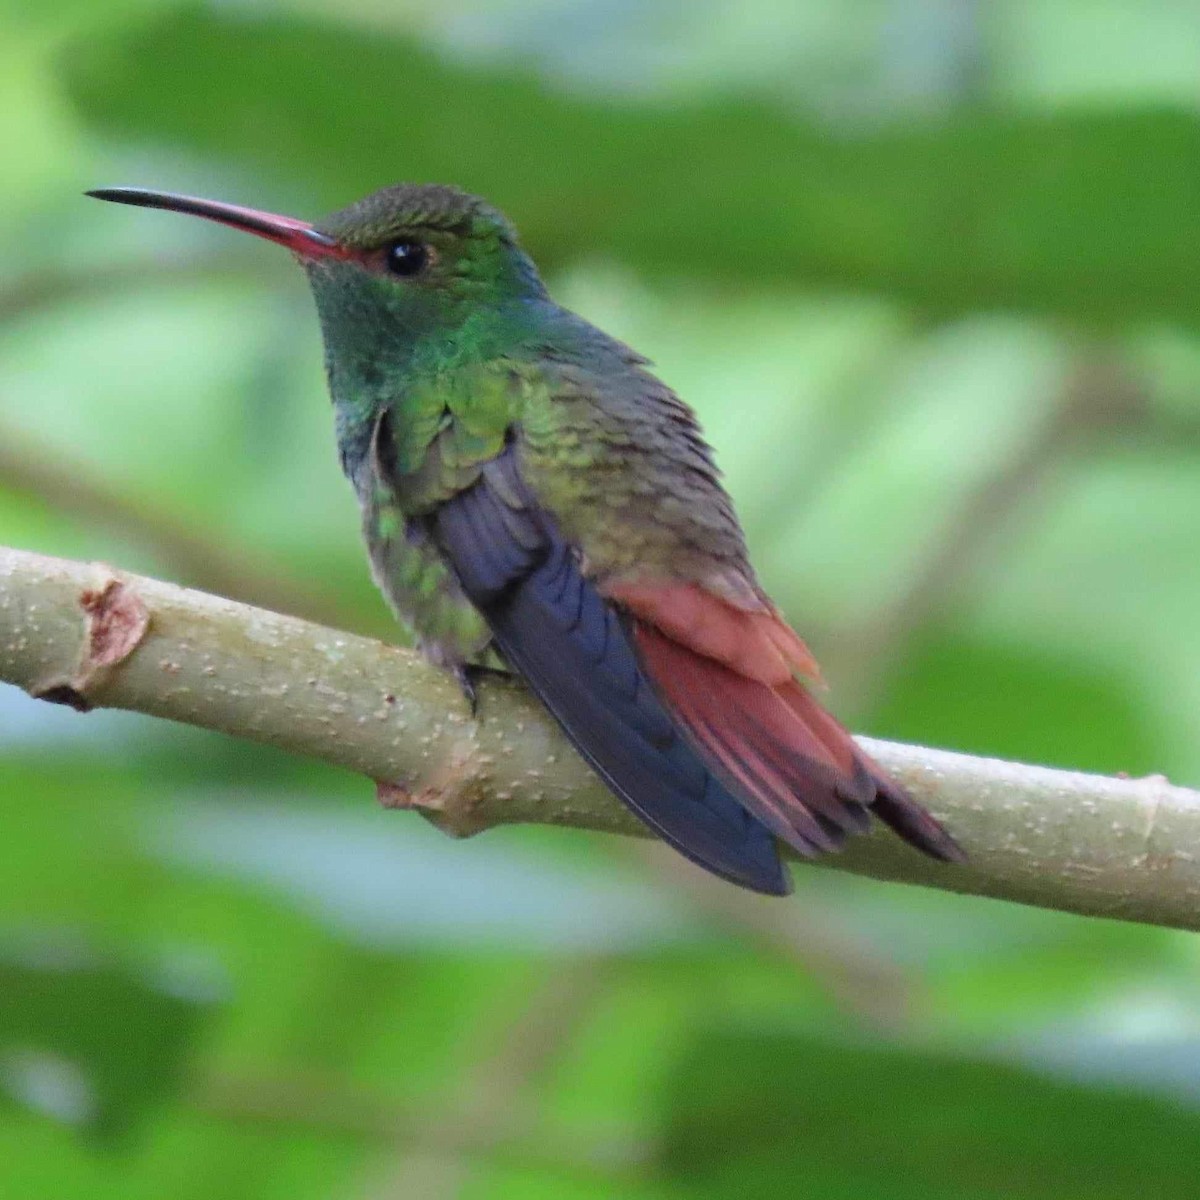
x=83, y=634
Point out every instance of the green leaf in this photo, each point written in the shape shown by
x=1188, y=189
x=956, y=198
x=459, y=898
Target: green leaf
x=1021, y=702
x=91, y=1041
x=1089, y=213
x=767, y=1114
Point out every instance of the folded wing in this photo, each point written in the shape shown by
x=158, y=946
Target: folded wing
x=573, y=648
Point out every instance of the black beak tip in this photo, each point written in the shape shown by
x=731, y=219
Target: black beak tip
x=121, y=195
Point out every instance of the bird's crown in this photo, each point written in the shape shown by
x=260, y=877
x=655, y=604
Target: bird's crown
x=406, y=207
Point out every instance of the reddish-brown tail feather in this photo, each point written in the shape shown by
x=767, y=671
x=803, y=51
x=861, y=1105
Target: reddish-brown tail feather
x=795, y=767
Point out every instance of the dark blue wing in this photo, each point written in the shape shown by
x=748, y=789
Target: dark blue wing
x=572, y=649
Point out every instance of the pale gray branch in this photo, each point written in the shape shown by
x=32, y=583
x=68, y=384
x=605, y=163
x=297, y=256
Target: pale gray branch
x=83, y=634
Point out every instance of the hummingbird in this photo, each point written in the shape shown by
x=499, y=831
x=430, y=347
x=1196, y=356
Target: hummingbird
x=530, y=489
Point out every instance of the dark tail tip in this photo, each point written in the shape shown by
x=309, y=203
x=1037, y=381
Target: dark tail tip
x=897, y=809
x=767, y=880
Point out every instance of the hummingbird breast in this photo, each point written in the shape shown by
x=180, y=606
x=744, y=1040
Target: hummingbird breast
x=420, y=586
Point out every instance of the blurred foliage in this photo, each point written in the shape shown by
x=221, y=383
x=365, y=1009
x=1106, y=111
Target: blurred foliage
x=940, y=1127
x=927, y=272
x=1082, y=213
x=67, y=1044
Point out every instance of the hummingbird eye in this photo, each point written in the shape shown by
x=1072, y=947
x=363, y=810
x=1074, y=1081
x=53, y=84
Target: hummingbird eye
x=407, y=258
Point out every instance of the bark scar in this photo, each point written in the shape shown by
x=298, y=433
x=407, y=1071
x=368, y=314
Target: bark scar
x=117, y=621
x=451, y=799
x=1152, y=789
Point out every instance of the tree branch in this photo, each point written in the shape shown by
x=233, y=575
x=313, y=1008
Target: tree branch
x=334, y=1109
x=81, y=634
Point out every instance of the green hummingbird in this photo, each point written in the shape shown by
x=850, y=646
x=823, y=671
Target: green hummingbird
x=529, y=487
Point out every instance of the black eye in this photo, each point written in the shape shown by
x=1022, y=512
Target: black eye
x=407, y=258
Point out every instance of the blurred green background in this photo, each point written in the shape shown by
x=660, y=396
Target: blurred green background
x=929, y=272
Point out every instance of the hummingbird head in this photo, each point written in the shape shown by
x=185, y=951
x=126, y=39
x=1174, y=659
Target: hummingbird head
x=411, y=277
x=424, y=275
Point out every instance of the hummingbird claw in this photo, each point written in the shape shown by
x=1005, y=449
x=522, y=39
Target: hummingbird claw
x=464, y=675
x=468, y=676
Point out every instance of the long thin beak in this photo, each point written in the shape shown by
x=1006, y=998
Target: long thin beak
x=298, y=236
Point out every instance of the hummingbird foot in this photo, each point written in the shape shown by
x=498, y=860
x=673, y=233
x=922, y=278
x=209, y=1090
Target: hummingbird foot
x=468, y=677
x=465, y=679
